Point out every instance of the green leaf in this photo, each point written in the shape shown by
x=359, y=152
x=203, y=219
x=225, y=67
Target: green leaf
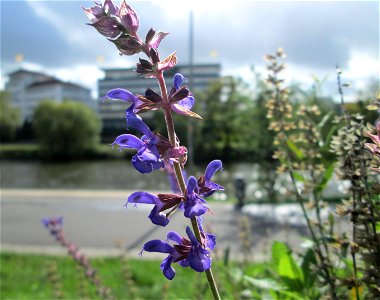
x=286, y=267
x=308, y=260
x=279, y=250
x=266, y=283
x=290, y=273
x=290, y=295
x=298, y=176
x=325, y=178
x=329, y=137
x=324, y=120
x=293, y=147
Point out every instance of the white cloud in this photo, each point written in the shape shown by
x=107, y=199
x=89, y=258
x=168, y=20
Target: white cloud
x=86, y=75
x=361, y=68
x=61, y=22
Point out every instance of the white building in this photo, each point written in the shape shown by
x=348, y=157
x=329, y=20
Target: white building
x=112, y=112
x=29, y=88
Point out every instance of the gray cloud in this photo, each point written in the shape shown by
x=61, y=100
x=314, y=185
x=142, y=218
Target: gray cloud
x=314, y=34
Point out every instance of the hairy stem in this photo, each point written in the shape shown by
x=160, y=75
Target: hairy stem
x=178, y=172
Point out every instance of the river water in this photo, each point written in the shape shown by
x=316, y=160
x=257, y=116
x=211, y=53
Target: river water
x=120, y=175
x=104, y=174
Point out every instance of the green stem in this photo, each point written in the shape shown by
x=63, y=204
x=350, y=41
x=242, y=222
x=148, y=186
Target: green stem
x=178, y=172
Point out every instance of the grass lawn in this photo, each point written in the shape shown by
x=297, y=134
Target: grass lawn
x=51, y=277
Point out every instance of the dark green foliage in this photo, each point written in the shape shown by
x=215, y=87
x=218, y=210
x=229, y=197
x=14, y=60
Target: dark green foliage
x=10, y=119
x=66, y=130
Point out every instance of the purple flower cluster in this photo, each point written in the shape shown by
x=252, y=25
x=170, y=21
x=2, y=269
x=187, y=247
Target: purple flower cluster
x=193, y=203
x=186, y=252
x=120, y=24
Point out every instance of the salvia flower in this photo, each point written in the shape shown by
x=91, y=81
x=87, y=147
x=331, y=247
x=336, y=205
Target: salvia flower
x=161, y=203
x=147, y=157
x=184, y=251
x=118, y=24
x=181, y=99
x=197, y=190
x=193, y=203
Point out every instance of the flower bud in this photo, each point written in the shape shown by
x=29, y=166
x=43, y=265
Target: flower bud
x=128, y=18
x=108, y=27
x=128, y=45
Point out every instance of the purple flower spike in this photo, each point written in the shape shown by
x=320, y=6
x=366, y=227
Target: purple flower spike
x=161, y=203
x=186, y=252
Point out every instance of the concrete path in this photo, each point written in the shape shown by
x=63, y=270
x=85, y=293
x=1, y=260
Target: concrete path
x=98, y=222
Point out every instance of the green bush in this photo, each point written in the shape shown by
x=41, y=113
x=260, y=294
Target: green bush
x=66, y=130
x=10, y=118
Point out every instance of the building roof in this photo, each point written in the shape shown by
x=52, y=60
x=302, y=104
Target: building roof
x=48, y=81
x=24, y=71
x=55, y=81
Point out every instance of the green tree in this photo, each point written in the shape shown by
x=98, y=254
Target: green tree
x=227, y=121
x=66, y=130
x=10, y=118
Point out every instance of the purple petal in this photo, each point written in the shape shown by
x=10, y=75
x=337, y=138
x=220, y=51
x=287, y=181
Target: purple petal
x=183, y=111
x=107, y=26
x=156, y=40
x=199, y=260
x=195, y=210
x=167, y=269
x=109, y=7
x=175, y=237
x=212, y=167
x=128, y=141
x=143, y=197
x=191, y=236
x=141, y=166
x=158, y=165
x=157, y=246
x=128, y=17
x=137, y=123
x=121, y=94
x=158, y=218
x=211, y=241
x=148, y=154
x=177, y=80
x=183, y=263
x=187, y=103
x=191, y=184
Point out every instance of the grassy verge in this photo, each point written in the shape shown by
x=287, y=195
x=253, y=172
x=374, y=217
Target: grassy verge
x=27, y=277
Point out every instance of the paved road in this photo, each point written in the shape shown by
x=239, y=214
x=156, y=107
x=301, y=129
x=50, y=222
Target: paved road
x=97, y=222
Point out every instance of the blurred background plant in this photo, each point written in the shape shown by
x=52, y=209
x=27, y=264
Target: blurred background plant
x=66, y=130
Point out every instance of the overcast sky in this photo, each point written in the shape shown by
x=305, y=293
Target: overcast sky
x=52, y=37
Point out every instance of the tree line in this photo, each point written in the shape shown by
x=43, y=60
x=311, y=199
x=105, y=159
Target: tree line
x=235, y=119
